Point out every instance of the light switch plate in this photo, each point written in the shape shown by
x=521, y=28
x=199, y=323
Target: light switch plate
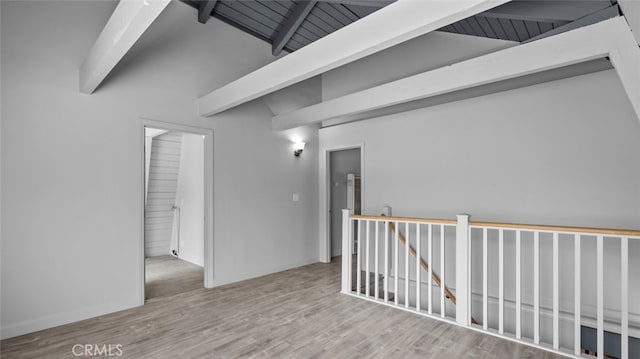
x=296, y=197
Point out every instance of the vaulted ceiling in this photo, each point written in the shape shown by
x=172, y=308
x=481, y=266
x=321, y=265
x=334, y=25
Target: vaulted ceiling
x=290, y=25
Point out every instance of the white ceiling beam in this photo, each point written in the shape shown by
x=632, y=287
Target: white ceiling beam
x=129, y=21
x=389, y=26
x=631, y=11
x=608, y=38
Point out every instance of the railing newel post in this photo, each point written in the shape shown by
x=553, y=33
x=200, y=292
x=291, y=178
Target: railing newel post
x=463, y=292
x=347, y=245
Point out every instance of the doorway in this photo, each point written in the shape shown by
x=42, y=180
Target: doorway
x=177, y=225
x=344, y=191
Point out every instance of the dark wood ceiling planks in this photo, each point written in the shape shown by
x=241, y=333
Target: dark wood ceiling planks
x=519, y=20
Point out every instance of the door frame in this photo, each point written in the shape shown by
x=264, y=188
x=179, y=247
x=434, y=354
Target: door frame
x=207, y=134
x=324, y=239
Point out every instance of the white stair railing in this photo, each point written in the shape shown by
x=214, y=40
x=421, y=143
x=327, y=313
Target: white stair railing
x=384, y=270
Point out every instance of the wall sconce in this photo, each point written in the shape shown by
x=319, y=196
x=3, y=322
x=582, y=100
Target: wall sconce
x=298, y=147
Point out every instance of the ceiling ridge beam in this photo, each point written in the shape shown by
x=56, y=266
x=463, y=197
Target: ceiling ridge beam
x=400, y=21
x=299, y=13
x=611, y=38
x=129, y=21
x=204, y=10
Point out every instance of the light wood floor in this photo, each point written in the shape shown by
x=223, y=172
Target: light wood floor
x=167, y=275
x=293, y=314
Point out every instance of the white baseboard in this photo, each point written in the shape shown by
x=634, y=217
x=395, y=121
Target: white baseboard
x=276, y=269
x=30, y=326
x=188, y=261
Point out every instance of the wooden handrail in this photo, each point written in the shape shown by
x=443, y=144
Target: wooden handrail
x=423, y=264
x=551, y=228
x=403, y=219
x=533, y=227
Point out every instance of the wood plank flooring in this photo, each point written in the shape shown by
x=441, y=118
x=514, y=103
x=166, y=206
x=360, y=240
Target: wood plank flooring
x=297, y=313
x=167, y=275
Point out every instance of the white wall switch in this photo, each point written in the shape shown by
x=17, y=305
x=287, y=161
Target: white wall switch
x=296, y=197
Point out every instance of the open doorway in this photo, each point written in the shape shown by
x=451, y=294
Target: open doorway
x=174, y=228
x=344, y=191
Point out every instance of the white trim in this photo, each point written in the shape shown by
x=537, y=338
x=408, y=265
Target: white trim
x=389, y=26
x=207, y=133
x=264, y=272
x=611, y=38
x=324, y=238
x=30, y=326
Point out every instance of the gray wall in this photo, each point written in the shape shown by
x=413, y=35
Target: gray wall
x=342, y=163
x=72, y=177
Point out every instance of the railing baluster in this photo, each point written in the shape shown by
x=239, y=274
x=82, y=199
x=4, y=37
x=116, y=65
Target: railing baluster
x=367, y=282
x=624, y=297
x=395, y=264
x=577, y=316
x=386, y=261
x=418, y=269
x=377, y=280
x=430, y=273
x=536, y=287
x=485, y=281
x=501, y=281
x=406, y=265
x=358, y=259
x=442, y=277
x=518, y=285
x=600, y=291
x=556, y=293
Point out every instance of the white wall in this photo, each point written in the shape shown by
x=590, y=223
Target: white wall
x=256, y=174
x=563, y=153
x=420, y=54
x=190, y=198
x=72, y=176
